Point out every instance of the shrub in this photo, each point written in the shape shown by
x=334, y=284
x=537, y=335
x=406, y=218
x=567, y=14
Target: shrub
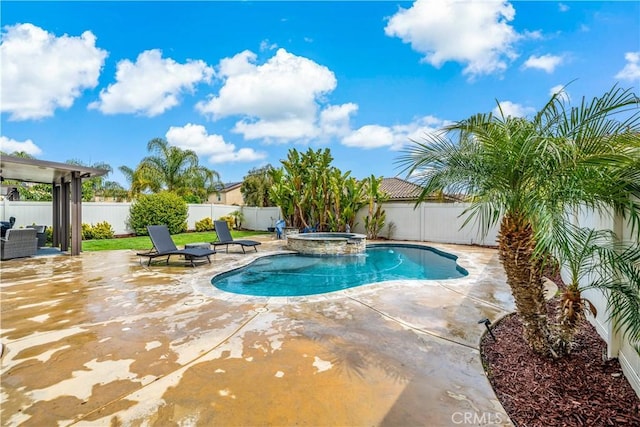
x=101, y=230
x=205, y=224
x=230, y=220
x=86, y=231
x=155, y=209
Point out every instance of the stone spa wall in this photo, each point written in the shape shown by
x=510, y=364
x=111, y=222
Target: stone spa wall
x=327, y=243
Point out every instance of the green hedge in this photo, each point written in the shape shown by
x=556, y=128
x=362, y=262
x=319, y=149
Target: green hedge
x=164, y=208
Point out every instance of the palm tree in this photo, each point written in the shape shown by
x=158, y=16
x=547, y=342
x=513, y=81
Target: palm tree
x=594, y=259
x=173, y=169
x=528, y=174
x=255, y=187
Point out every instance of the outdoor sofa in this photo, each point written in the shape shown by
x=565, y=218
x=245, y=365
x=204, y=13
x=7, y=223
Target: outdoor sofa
x=19, y=242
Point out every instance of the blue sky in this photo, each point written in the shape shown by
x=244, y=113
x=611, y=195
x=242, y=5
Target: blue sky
x=241, y=83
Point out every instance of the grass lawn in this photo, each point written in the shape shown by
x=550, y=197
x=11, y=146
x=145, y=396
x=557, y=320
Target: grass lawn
x=144, y=243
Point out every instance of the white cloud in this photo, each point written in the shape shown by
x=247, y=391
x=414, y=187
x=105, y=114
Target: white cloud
x=279, y=99
x=9, y=146
x=151, y=85
x=42, y=72
x=241, y=63
x=562, y=7
x=267, y=45
x=512, y=109
x=278, y=130
x=394, y=137
x=334, y=120
x=631, y=70
x=370, y=136
x=196, y=138
x=547, y=63
x=475, y=32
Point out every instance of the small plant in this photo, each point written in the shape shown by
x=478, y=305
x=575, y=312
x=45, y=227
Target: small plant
x=238, y=217
x=87, y=231
x=391, y=228
x=205, y=224
x=375, y=222
x=101, y=230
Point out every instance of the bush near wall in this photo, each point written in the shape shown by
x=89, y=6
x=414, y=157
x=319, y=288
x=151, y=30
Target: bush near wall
x=205, y=224
x=101, y=230
x=164, y=208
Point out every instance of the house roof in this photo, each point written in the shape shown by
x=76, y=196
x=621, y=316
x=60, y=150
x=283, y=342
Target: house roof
x=229, y=186
x=399, y=189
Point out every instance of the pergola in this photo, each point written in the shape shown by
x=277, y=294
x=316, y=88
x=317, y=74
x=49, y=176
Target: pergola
x=66, y=180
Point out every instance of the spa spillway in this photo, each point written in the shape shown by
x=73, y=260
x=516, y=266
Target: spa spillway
x=327, y=243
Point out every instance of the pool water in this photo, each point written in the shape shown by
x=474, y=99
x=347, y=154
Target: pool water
x=298, y=275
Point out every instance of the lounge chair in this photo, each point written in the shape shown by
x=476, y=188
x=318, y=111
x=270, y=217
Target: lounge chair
x=225, y=238
x=18, y=243
x=163, y=245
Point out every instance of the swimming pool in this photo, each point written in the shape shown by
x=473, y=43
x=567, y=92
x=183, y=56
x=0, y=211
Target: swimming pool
x=298, y=275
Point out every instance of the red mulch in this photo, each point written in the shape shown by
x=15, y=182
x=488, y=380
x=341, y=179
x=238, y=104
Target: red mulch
x=582, y=389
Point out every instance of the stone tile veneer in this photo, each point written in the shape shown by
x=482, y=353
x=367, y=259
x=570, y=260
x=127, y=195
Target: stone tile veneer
x=327, y=243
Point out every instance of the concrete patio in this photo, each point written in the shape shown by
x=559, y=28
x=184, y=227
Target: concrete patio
x=101, y=340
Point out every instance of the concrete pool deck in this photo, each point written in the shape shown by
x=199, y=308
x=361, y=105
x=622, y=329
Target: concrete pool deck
x=101, y=340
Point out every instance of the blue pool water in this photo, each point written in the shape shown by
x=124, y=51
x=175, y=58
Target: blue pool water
x=297, y=275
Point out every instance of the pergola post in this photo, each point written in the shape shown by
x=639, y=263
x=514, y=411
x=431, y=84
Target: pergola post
x=64, y=214
x=57, y=236
x=76, y=213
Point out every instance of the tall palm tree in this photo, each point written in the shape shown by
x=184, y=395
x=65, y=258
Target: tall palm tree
x=531, y=173
x=173, y=169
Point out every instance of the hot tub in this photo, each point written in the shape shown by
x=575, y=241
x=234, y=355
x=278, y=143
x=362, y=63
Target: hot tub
x=327, y=243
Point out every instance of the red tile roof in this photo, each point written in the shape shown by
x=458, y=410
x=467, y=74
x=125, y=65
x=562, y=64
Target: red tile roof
x=399, y=189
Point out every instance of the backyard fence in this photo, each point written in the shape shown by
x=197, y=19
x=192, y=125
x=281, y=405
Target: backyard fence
x=117, y=214
x=430, y=222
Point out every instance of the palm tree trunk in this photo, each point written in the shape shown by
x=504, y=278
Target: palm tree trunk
x=524, y=277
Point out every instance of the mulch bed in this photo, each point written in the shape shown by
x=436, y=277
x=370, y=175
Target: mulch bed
x=583, y=389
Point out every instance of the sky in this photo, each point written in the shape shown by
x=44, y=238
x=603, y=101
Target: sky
x=242, y=82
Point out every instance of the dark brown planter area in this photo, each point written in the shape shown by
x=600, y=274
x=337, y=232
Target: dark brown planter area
x=583, y=389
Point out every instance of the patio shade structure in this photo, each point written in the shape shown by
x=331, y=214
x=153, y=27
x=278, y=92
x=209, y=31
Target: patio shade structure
x=66, y=180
